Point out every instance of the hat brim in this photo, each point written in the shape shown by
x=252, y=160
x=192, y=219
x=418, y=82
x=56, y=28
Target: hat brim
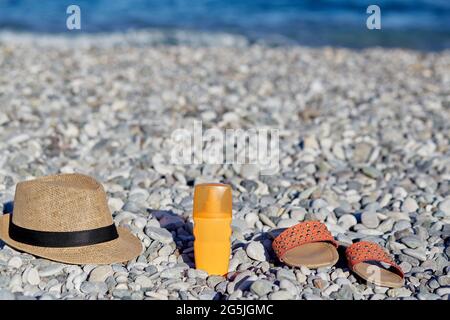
x=124, y=248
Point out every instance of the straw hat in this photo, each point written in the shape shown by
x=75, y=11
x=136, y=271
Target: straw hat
x=66, y=218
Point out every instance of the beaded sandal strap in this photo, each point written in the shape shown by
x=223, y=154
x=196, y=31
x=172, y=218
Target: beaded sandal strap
x=368, y=251
x=302, y=233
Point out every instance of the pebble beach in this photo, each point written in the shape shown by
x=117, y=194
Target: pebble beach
x=364, y=138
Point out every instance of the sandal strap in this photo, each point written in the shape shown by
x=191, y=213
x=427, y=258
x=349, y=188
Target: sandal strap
x=363, y=251
x=302, y=233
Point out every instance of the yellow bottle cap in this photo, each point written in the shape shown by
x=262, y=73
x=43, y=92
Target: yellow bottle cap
x=212, y=200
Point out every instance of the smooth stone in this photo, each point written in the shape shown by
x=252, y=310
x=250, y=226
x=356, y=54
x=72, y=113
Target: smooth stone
x=286, y=223
x=428, y=296
x=3, y=119
x=6, y=295
x=32, y=276
x=298, y=214
x=210, y=295
x=266, y=220
x=214, y=280
x=399, y=292
x=159, y=234
x=386, y=225
x=347, y=221
x=100, y=273
x=416, y=253
x=4, y=280
x=443, y=291
x=318, y=204
x=197, y=273
x=172, y=273
x=409, y=205
x=378, y=289
x=132, y=207
x=289, y=286
x=412, y=242
x=406, y=266
x=15, y=262
x=286, y=274
x=371, y=172
x=305, y=194
x=144, y=281
x=444, y=206
x=372, y=207
x=301, y=278
x=362, y=152
x=165, y=251
x=124, y=294
x=370, y=219
x=94, y=287
x=345, y=293
x=444, y=280
x=433, y=284
x=179, y=286
x=261, y=287
x=400, y=193
x=119, y=286
x=402, y=225
x=140, y=222
x=255, y=250
x=51, y=270
x=115, y=204
x=251, y=218
x=281, y=295
x=329, y=290
x=384, y=201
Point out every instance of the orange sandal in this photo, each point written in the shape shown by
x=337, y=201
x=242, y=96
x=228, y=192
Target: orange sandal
x=366, y=258
x=308, y=244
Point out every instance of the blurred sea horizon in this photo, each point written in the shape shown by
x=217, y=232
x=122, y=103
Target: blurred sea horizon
x=412, y=24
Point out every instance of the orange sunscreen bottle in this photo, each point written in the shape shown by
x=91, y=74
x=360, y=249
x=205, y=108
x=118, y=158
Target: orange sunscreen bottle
x=212, y=227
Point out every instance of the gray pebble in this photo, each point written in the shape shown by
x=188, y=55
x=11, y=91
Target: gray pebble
x=399, y=292
x=412, y=242
x=213, y=280
x=15, y=262
x=345, y=293
x=410, y=205
x=416, y=253
x=255, y=250
x=444, y=206
x=261, y=287
x=94, y=287
x=51, y=270
x=347, y=221
x=100, y=273
x=159, y=234
x=371, y=172
x=6, y=295
x=281, y=295
x=443, y=291
x=286, y=274
x=172, y=273
x=370, y=219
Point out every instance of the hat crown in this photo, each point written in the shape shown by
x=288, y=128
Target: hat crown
x=61, y=203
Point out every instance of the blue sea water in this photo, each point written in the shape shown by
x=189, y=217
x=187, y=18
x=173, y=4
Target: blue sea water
x=417, y=24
